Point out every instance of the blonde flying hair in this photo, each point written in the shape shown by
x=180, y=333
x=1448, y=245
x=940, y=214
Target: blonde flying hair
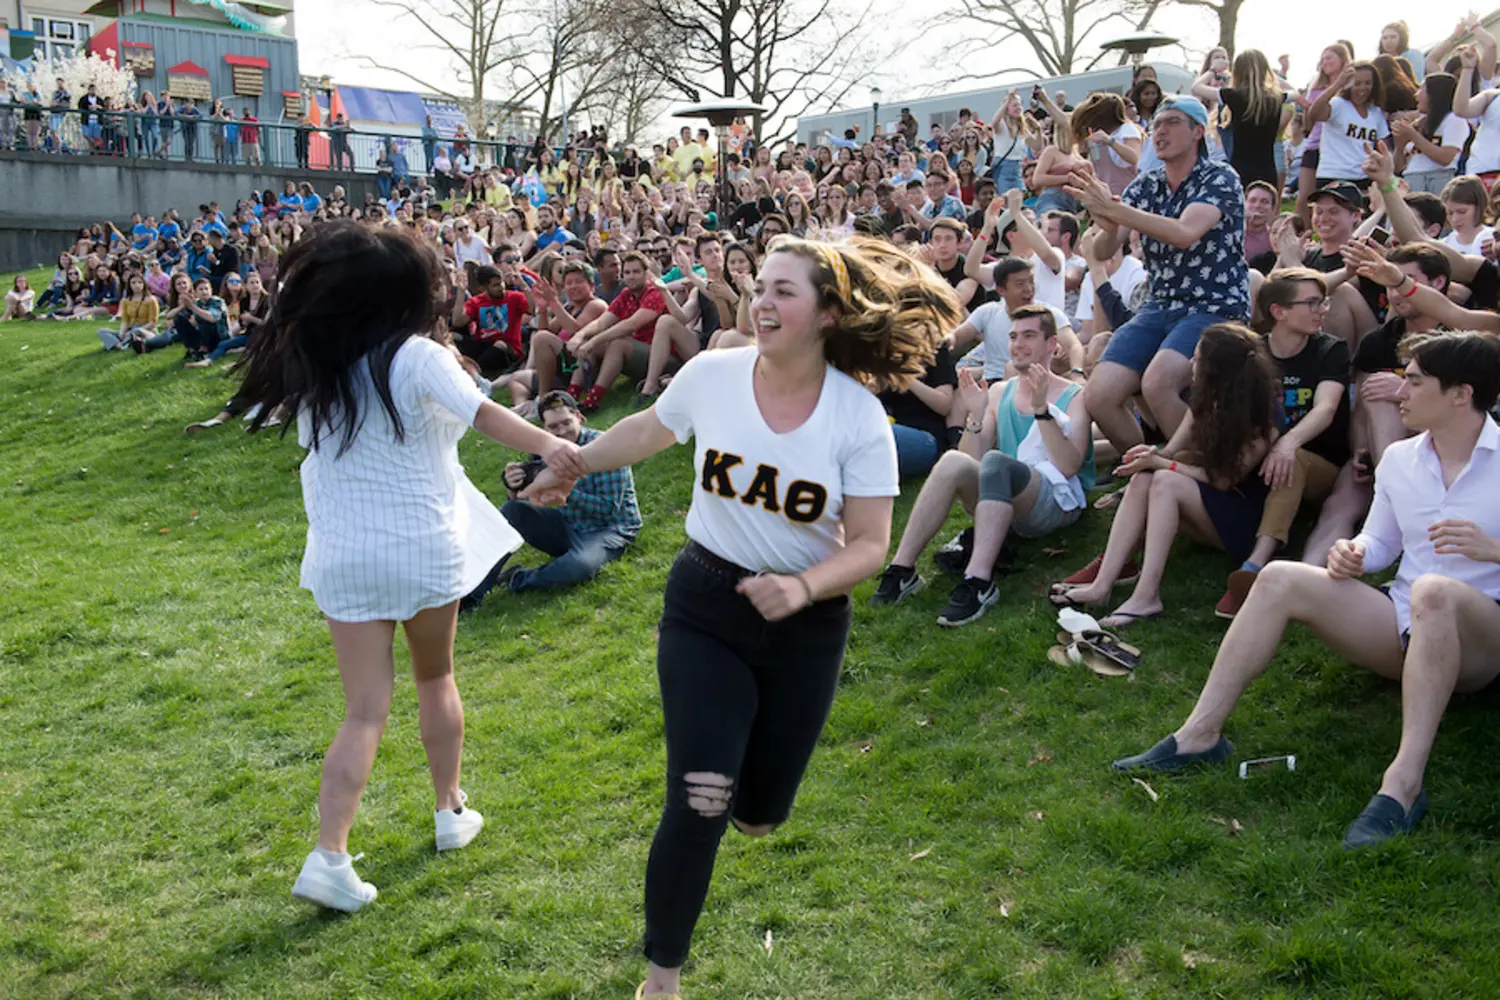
x=893, y=311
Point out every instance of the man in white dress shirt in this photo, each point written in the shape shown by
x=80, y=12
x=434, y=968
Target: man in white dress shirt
x=1435, y=627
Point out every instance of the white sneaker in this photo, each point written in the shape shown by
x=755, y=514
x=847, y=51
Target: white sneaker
x=251, y=413
x=456, y=827
x=334, y=886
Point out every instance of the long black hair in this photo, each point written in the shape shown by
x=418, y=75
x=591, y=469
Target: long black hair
x=347, y=294
x=1440, y=90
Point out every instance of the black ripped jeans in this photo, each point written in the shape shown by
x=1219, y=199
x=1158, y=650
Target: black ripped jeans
x=744, y=702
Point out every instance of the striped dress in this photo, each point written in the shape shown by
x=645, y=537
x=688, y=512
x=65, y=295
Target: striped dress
x=394, y=526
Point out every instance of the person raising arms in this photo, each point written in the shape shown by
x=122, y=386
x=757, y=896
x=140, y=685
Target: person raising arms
x=380, y=409
x=795, y=480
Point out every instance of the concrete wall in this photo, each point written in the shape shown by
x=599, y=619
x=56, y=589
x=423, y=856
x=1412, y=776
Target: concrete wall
x=47, y=198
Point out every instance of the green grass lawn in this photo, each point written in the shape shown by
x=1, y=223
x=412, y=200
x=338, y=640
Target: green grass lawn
x=167, y=692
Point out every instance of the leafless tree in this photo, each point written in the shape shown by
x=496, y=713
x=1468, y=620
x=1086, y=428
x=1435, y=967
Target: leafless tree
x=572, y=61
x=1228, y=14
x=789, y=56
x=1063, y=35
x=474, y=38
x=635, y=100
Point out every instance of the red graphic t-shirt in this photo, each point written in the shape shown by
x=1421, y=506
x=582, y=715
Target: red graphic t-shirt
x=497, y=319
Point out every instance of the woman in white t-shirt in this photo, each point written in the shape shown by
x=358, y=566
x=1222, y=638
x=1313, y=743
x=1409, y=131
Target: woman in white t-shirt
x=792, y=498
x=1484, y=111
x=1427, y=149
x=1352, y=121
x=395, y=532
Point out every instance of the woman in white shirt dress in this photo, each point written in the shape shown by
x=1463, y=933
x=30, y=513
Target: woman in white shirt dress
x=796, y=475
x=395, y=531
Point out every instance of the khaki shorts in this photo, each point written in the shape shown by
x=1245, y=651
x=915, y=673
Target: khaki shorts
x=640, y=359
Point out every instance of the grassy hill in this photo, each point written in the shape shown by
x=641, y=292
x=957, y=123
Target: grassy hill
x=166, y=694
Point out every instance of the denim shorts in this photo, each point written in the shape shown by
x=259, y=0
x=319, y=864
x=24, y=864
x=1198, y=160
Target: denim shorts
x=1156, y=328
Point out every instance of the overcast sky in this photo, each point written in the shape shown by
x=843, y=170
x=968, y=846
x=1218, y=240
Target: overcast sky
x=330, y=31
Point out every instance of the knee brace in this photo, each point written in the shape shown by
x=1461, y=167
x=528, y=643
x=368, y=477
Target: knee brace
x=1002, y=478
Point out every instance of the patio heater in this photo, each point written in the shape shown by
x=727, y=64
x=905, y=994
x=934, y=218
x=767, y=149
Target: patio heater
x=1137, y=45
x=721, y=114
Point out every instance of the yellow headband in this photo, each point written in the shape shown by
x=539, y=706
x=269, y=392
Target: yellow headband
x=840, y=270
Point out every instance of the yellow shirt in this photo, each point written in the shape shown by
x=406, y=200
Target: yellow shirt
x=139, y=313
x=498, y=195
x=685, y=156
x=665, y=168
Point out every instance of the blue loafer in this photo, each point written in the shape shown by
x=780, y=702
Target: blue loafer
x=1383, y=819
x=1164, y=757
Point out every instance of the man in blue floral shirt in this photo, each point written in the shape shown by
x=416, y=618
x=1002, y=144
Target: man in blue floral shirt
x=1191, y=216
x=599, y=519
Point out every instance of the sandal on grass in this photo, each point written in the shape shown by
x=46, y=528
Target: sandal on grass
x=1061, y=596
x=1110, y=501
x=1107, y=657
x=1124, y=619
x=1122, y=657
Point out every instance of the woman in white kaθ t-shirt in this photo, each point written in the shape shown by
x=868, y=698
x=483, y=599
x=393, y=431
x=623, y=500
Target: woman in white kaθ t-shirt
x=393, y=523
x=1353, y=123
x=795, y=474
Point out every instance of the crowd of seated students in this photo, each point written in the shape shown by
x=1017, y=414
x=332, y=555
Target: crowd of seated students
x=1141, y=314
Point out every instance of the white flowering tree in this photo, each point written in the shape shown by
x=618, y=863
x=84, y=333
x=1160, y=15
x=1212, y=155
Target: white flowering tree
x=77, y=72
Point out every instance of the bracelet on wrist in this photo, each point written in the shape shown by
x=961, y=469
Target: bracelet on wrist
x=1389, y=187
x=807, y=589
x=1407, y=295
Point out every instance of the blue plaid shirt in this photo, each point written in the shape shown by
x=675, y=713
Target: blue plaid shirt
x=603, y=500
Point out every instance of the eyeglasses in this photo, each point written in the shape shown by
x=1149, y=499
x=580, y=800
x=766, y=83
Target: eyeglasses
x=1316, y=305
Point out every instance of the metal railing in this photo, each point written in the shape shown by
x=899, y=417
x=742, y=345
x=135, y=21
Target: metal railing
x=133, y=135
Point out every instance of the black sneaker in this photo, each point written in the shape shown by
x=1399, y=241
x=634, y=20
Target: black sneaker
x=897, y=583
x=970, y=600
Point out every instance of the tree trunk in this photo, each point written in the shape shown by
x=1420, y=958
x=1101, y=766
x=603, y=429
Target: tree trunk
x=1229, y=19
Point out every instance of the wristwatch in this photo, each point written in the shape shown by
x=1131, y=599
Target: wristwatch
x=1044, y=415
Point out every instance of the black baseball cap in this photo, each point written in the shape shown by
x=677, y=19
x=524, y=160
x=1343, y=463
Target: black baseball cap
x=1345, y=191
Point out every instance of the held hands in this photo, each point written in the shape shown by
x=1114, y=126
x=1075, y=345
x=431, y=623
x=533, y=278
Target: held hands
x=548, y=489
x=1141, y=458
x=1455, y=537
x=1346, y=560
x=566, y=459
x=776, y=596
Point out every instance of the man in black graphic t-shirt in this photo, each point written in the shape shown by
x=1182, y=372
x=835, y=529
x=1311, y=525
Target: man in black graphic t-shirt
x=1304, y=462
